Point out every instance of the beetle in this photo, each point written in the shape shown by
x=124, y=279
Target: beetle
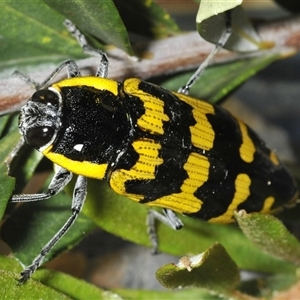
x=157, y=147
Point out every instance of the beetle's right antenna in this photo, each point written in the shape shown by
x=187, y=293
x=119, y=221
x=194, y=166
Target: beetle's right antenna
x=223, y=39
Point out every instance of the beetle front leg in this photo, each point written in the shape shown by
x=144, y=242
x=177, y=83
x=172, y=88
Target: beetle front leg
x=14, y=153
x=60, y=179
x=72, y=68
x=79, y=195
x=103, y=65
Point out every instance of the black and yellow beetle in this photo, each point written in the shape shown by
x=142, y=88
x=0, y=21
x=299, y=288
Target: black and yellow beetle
x=154, y=146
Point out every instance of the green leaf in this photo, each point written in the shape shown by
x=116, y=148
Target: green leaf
x=33, y=33
x=208, y=8
x=3, y=123
x=72, y=287
x=212, y=23
x=218, y=81
x=149, y=18
x=99, y=18
x=45, y=284
x=183, y=294
x=8, y=143
x=213, y=270
x=270, y=235
x=33, y=224
x=279, y=282
x=24, y=162
x=9, y=288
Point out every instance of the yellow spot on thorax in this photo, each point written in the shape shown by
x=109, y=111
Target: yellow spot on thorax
x=89, y=81
x=84, y=168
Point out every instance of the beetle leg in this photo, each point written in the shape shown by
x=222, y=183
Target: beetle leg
x=79, y=195
x=61, y=178
x=169, y=218
x=27, y=79
x=72, y=68
x=14, y=153
x=103, y=65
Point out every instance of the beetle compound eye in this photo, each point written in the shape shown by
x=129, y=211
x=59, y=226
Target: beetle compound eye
x=39, y=136
x=46, y=97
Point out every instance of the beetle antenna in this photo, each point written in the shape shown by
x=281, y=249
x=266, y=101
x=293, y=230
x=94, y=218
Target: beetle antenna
x=222, y=41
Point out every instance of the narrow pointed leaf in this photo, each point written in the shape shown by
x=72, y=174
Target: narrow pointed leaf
x=72, y=287
x=212, y=22
x=150, y=19
x=182, y=294
x=7, y=182
x=9, y=288
x=22, y=166
x=45, y=284
x=32, y=33
x=270, y=235
x=99, y=18
x=208, y=8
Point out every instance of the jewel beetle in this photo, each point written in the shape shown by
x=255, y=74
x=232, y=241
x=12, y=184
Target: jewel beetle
x=157, y=147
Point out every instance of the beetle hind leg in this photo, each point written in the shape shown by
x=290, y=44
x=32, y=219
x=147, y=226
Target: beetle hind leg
x=168, y=217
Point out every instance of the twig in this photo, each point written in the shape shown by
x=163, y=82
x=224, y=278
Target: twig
x=160, y=57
